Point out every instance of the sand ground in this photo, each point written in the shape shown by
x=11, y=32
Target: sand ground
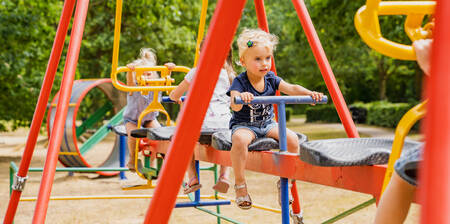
x=319, y=203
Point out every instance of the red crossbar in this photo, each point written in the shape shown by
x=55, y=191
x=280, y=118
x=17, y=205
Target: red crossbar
x=363, y=179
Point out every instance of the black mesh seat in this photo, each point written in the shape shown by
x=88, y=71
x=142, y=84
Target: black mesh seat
x=119, y=129
x=166, y=133
x=351, y=151
x=222, y=141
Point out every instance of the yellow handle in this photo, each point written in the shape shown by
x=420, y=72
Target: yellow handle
x=408, y=120
x=164, y=82
x=368, y=26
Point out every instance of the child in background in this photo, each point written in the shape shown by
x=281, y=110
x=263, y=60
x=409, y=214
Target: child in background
x=399, y=194
x=255, y=121
x=217, y=116
x=136, y=102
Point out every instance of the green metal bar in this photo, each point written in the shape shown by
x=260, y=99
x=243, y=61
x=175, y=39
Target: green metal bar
x=210, y=168
x=215, y=192
x=101, y=133
x=350, y=211
x=14, y=166
x=94, y=118
x=81, y=169
x=11, y=176
x=159, y=165
x=218, y=215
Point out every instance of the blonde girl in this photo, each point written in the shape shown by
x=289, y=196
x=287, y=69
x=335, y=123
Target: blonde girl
x=255, y=121
x=136, y=102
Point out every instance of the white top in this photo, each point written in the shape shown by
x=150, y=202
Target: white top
x=218, y=114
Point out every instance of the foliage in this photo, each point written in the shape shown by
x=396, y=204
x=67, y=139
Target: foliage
x=170, y=27
x=325, y=113
x=387, y=114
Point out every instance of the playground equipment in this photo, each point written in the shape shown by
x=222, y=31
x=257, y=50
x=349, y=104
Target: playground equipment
x=436, y=183
x=73, y=155
x=368, y=26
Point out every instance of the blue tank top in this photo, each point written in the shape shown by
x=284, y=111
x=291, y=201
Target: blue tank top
x=256, y=112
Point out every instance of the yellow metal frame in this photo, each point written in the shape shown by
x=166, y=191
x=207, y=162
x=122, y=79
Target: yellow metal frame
x=404, y=126
x=201, y=30
x=146, y=85
x=368, y=26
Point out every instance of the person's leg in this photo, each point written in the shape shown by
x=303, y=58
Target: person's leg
x=395, y=202
x=223, y=182
x=131, y=145
x=291, y=137
x=241, y=138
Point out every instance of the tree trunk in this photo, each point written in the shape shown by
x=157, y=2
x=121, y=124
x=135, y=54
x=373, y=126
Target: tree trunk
x=382, y=73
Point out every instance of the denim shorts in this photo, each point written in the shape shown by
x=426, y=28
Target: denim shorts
x=260, y=129
x=407, y=165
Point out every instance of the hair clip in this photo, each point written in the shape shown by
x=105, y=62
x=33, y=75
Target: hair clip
x=249, y=43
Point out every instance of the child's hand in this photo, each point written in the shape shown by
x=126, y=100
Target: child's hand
x=316, y=96
x=178, y=101
x=247, y=97
x=423, y=51
x=171, y=66
x=131, y=67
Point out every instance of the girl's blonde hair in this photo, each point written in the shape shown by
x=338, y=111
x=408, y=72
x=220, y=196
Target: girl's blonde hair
x=147, y=57
x=255, y=37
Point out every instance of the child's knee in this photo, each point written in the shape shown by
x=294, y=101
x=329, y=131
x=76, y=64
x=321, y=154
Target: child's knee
x=293, y=143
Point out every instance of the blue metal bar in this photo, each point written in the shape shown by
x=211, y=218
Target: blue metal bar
x=122, y=155
x=202, y=203
x=166, y=99
x=282, y=126
x=283, y=148
x=197, y=192
x=282, y=99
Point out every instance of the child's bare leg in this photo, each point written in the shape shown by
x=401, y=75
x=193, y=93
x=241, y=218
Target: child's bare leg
x=291, y=137
x=225, y=171
x=131, y=145
x=239, y=151
x=395, y=202
x=192, y=172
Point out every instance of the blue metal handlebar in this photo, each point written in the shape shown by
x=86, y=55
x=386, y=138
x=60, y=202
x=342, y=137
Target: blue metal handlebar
x=282, y=99
x=166, y=99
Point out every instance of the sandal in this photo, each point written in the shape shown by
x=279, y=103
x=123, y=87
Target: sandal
x=279, y=193
x=189, y=187
x=222, y=185
x=243, y=202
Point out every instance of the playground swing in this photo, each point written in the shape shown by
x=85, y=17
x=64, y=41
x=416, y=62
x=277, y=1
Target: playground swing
x=373, y=154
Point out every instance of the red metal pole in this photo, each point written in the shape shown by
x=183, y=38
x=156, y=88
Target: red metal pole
x=218, y=40
x=41, y=105
x=435, y=169
x=325, y=68
x=61, y=112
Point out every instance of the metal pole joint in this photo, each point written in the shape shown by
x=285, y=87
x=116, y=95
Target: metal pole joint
x=19, y=182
